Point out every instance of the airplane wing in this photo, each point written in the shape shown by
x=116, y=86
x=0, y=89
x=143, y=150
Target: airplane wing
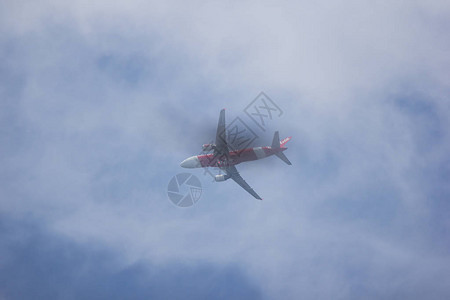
x=221, y=149
x=234, y=174
x=221, y=137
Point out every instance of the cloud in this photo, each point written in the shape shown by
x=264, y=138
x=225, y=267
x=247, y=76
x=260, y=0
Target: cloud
x=36, y=264
x=100, y=103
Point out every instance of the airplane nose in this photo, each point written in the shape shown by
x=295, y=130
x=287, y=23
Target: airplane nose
x=184, y=163
x=191, y=162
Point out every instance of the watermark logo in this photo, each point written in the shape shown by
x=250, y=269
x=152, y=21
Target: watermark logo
x=262, y=109
x=238, y=135
x=184, y=189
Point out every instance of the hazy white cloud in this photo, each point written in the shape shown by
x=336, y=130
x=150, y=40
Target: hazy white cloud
x=101, y=101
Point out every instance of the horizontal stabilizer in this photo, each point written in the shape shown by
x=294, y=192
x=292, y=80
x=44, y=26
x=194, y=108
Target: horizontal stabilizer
x=283, y=157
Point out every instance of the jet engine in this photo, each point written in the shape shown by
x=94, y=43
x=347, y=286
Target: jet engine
x=208, y=147
x=221, y=177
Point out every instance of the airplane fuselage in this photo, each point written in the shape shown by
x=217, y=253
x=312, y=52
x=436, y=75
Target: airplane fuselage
x=234, y=157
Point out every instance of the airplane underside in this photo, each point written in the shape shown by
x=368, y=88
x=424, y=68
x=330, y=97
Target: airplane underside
x=236, y=157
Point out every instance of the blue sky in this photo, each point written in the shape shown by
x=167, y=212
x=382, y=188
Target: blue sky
x=101, y=102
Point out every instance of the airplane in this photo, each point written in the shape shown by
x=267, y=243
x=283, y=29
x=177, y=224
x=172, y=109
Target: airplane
x=226, y=159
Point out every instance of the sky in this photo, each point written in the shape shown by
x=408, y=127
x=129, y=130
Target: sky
x=100, y=102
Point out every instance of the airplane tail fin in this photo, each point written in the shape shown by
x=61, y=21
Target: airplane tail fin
x=276, y=144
